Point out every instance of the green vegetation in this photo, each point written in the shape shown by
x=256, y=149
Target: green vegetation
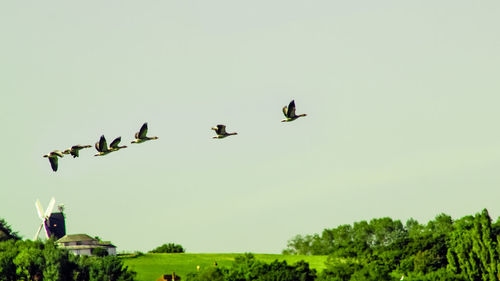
x=381, y=249
x=385, y=249
x=100, y=252
x=247, y=267
x=35, y=260
x=6, y=232
x=152, y=266
x=168, y=248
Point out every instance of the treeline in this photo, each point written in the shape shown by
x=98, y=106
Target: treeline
x=247, y=268
x=35, y=260
x=385, y=249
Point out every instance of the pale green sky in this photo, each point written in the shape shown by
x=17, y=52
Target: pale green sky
x=402, y=100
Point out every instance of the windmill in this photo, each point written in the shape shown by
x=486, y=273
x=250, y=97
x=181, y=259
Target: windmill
x=53, y=223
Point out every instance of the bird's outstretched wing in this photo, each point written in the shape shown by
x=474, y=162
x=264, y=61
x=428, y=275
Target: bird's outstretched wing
x=143, y=131
x=291, y=109
x=221, y=129
x=53, y=163
x=285, y=111
x=115, y=142
x=102, y=145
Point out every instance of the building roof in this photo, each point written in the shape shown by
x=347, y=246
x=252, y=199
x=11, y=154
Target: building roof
x=75, y=238
x=83, y=247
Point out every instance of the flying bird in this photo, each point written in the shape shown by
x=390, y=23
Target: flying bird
x=141, y=135
x=290, y=112
x=114, y=146
x=102, y=147
x=220, y=130
x=53, y=158
x=75, y=149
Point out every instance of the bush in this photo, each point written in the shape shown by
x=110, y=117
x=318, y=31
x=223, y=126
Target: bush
x=100, y=252
x=168, y=248
x=210, y=273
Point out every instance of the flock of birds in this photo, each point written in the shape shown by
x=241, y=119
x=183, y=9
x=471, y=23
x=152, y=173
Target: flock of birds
x=103, y=149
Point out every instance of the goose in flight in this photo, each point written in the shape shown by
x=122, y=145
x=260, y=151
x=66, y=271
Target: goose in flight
x=102, y=147
x=74, y=150
x=220, y=130
x=53, y=158
x=114, y=146
x=290, y=112
x=141, y=135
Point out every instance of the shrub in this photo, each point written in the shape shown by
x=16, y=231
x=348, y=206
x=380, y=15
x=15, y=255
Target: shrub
x=168, y=248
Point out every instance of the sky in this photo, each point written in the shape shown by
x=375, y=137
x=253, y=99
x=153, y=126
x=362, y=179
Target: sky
x=401, y=100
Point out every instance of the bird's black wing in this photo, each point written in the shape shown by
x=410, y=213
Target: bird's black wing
x=291, y=109
x=221, y=129
x=103, y=145
x=74, y=152
x=143, y=131
x=53, y=163
x=115, y=142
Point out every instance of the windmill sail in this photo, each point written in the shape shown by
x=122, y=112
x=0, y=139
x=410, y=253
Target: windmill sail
x=45, y=217
x=38, y=232
x=39, y=209
x=47, y=214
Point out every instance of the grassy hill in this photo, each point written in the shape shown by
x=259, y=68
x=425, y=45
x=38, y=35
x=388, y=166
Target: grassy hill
x=150, y=267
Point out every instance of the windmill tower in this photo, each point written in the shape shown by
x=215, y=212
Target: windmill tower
x=53, y=223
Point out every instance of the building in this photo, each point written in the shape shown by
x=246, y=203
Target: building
x=55, y=225
x=82, y=244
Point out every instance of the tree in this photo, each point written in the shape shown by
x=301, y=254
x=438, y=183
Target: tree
x=58, y=265
x=299, y=245
x=100, y=252
x=30, y=260
x=6, y=232
x=168, y=248
x=339, y=270
x=209, y=273
x=109, y=268
x=8, y=251
x=36, y=260
x=473, y=249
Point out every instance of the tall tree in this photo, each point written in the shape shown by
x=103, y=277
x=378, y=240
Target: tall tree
x=473, y=249
x=6, y=232
x=8, y=251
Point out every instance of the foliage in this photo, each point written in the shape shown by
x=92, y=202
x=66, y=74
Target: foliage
x=110, y=268
x=211, y=273
x=168, y=248
x=100, y=252
x=385, y=249
x=247, y=268
x=474, y=251
x=8, y=269
x=6, y=232
x=35, y=260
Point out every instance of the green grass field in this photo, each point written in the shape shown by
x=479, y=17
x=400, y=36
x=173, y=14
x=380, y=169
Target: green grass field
x=150, y=267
